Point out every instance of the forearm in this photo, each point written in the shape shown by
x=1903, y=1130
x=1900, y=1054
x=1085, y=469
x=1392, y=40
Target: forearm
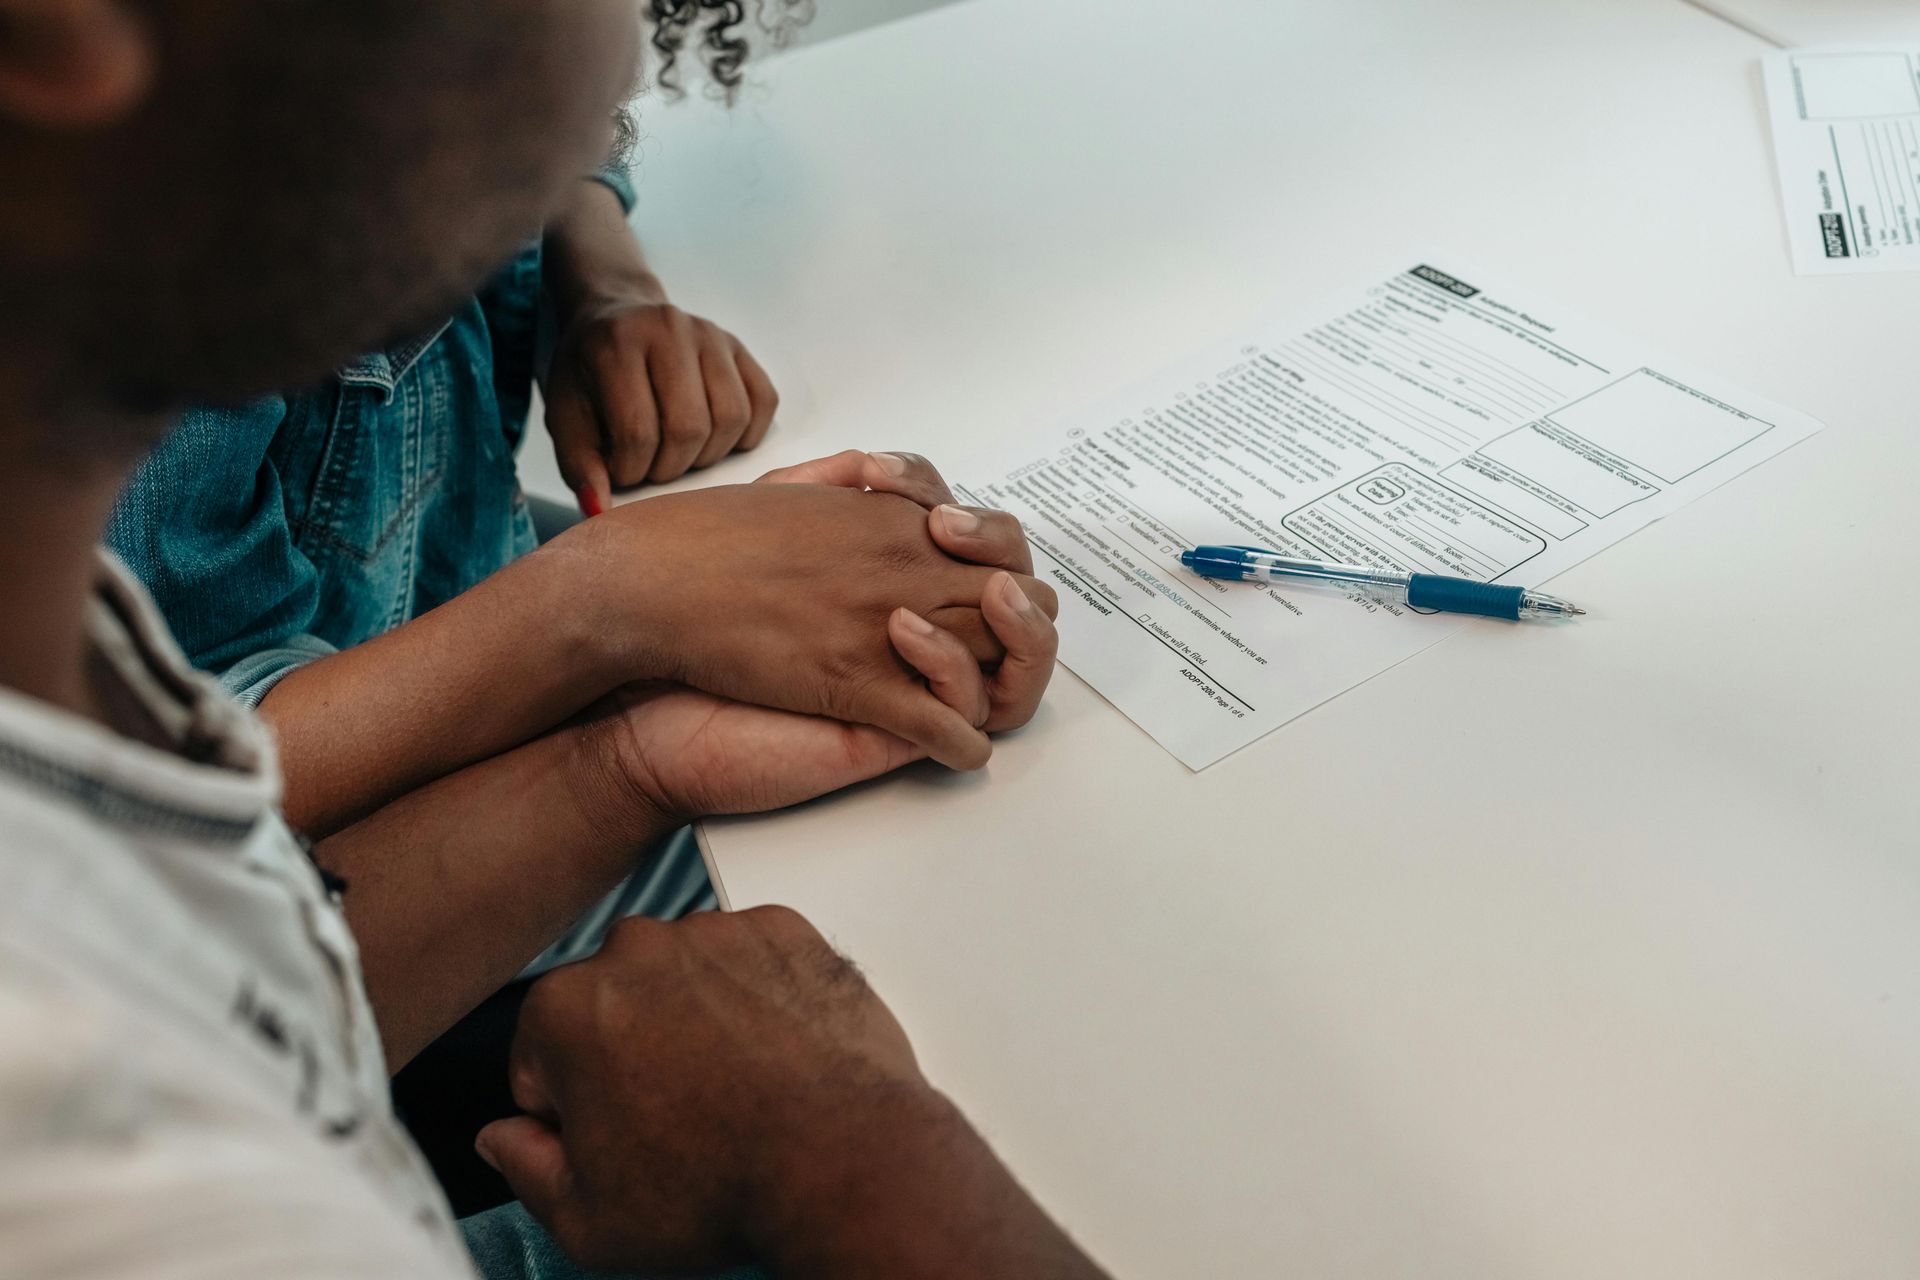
x=487, y=670
x=453, y=889
x=479, y=675
x=592, y=255
x=926, y=1198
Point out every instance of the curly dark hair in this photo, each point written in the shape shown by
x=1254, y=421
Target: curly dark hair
x=713, y=27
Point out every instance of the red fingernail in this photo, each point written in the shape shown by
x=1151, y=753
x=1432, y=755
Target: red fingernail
x=589, y=500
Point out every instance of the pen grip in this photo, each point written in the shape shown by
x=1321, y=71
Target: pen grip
x=1463, y=595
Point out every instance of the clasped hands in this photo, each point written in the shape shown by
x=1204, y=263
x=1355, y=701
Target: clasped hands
x=828, y=624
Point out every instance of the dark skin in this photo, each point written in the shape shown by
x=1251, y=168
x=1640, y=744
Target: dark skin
x=639, y=391
x=803, y=1026
x=644, y=762
x=139, y=270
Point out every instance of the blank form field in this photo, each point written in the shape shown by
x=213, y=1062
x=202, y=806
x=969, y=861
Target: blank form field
x=1855, y=86
x=1658, y=426
x=1542, y=456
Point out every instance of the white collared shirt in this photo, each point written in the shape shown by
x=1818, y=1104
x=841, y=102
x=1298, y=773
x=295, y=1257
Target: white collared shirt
x=191, y=1084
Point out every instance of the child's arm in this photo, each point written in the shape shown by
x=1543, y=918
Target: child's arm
x=453, y=889
x=639, y=390
x=776, y=594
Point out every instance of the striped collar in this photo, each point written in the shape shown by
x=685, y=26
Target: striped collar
x=219, y=780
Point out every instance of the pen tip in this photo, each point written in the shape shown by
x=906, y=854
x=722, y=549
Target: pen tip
x=1577, y=611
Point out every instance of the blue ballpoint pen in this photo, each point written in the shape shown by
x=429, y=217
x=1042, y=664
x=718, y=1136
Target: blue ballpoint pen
x=1420, y=590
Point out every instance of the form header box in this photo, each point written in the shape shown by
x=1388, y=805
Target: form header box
x=1440, y=279
x=1833, y=234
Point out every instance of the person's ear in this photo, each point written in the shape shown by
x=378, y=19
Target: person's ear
x=72, y=64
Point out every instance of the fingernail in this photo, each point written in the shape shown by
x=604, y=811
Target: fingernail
x=589, y=500
x=1015, y=598
x=891, y=463
x=915, y=623
x=481, y=1149
x=959, y=521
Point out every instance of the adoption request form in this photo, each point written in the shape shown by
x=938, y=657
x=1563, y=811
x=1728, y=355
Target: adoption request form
x=1434, y=426
x=1846, y=134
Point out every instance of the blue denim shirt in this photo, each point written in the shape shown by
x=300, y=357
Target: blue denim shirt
x=279, y=531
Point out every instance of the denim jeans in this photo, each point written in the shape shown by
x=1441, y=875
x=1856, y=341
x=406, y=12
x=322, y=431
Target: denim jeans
x=507, y=1244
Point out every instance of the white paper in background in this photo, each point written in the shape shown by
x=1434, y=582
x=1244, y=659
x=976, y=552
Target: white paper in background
x=1846, y=137
x=1429, y=424
x=1795, y=23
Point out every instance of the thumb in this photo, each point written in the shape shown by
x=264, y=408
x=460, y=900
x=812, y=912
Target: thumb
x=595, y=489
x=527, y=1152
x=846, y=470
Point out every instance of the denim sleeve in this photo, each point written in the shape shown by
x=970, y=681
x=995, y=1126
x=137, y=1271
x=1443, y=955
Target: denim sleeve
x=507, y=1244
x=617, y=178
x=203, y=524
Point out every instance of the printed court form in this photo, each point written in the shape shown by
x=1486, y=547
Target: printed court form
x=1846, y=135
x=1432, y=424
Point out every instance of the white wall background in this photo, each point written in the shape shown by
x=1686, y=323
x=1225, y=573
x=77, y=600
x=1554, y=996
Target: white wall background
x=838, y=17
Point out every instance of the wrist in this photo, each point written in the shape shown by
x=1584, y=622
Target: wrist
x=593, y=260
x=613, y=602
x=852, y=1193
x=612, y=796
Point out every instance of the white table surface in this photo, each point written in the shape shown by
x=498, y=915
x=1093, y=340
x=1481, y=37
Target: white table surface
x=1555, y=952
x=1793, y=23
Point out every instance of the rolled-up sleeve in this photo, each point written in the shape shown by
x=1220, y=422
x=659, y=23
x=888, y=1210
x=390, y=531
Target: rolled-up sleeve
x=619, y=179
x=203, y=524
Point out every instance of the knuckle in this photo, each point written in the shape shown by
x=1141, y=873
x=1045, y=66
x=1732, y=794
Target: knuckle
x=601, y=342
x=901, y=556
x=632, y=429
x=685, y=430
x=838, y=971
x=545, y=1010
x=845, y=668
x=781, y=923
x=1000, y=527
x=538, y=1007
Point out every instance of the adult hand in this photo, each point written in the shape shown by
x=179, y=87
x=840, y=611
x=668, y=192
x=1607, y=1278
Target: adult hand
x=784, y=595
x=664, y=1077
x=727, y=1088
x=978, y=535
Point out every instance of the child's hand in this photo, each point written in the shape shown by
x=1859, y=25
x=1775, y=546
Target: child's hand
x=638, y=390
x=641, y=392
